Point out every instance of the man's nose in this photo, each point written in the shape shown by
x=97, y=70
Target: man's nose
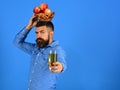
x=38, y=35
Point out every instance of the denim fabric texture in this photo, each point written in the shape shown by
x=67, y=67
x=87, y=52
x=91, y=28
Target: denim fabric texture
x=41, y=78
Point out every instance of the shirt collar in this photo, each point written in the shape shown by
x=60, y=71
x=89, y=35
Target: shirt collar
x=54, y=43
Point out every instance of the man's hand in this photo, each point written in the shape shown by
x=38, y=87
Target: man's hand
x=56, y=67
x=32, y=22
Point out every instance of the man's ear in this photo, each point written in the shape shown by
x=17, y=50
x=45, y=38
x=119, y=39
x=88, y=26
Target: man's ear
x=51, y=33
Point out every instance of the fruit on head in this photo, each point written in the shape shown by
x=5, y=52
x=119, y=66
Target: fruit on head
x=47, y=11
x=36, y=10
x=43, y=6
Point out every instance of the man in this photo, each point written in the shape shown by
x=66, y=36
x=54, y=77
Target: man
x=43, y=75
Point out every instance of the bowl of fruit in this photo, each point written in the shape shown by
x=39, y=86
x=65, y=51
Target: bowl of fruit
x=43, y=13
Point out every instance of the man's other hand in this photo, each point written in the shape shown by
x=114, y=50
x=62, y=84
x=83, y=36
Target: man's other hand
x=56, y=67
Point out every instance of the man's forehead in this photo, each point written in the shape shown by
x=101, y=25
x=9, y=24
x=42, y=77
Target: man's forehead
x=41, y=28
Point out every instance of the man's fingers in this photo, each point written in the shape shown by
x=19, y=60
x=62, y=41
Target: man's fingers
x=54, y=69
x=56, y=63
x=35, y=18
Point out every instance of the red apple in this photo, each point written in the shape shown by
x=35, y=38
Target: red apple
x=43, y=6
x=36, y=10
x=47, y=11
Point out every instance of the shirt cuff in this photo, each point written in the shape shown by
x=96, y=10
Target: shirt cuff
x=25, y=31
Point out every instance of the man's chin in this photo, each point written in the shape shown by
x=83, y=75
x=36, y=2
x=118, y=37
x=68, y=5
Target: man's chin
x=41, y=43
x=41, y=46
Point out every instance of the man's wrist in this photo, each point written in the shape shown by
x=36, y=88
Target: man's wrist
x=25, y=31
x=28, y=27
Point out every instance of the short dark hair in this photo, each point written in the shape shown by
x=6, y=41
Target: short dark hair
x=43, y=23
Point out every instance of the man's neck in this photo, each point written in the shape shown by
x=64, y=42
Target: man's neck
x=50, y=41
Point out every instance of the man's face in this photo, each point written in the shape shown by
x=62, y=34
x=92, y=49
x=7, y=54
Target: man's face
x=42, y=36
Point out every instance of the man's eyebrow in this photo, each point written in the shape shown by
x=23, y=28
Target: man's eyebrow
x=39, y=31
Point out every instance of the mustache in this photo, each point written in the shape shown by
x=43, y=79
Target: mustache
x=39, y=39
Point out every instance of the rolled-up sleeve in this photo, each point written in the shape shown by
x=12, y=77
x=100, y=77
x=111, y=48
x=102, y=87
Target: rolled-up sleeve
x=19, y=41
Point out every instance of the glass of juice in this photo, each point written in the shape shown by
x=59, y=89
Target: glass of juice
x=52, y=57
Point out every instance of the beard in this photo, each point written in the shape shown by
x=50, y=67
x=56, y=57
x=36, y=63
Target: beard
x=41, y=43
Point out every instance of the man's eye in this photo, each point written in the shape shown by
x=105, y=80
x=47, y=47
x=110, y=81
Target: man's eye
x=36, y=32
x=42, y=32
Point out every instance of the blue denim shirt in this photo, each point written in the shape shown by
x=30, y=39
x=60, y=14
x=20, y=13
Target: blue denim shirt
x=41, y=78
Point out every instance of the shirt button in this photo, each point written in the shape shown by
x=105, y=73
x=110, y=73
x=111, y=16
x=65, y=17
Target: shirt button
x=30, y=80
x=33, y=71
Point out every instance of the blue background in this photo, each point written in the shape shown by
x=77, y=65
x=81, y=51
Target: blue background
x=88, y=30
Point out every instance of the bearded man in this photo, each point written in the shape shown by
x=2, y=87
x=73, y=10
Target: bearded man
x=43, y=75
